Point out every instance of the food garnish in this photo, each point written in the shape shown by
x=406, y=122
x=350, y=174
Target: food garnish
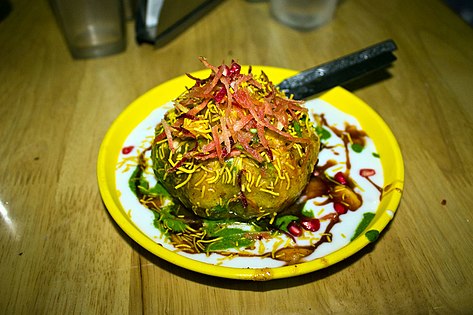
x=234, y=146
x=235, y=163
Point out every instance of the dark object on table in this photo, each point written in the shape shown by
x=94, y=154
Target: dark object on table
x=339, y=71
x=160, y=21
x=464, y=8
x=5, y=9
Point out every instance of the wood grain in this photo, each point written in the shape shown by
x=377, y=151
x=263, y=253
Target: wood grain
x=60, y=251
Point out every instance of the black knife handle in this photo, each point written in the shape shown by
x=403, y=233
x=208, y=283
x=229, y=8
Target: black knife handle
x=339, y=71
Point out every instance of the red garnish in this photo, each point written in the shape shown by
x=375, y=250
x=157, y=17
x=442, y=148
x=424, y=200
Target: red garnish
x=194, y=111
x=167, y=131
x=294, y=229
x=244, y=201
x=160, y=137
x=226, y=135
x=312, y=225
x=185, y=133
x=367, y=172
x=220, y=95
x=234, y=69
x=340, y=177
x=340, y=208
x=127, y=150
x=232, y=112
x=270, y=154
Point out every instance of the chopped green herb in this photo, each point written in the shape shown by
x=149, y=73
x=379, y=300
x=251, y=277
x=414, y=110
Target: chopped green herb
x=307, y=213
x=225, y=237
x=164, y=220
x=218, y=209
x=140, y=186
x=134, y=180
x=376, y=155
x=367, y=218
x=323, y=133
x=372, y=235
x=297, y=128
x=233, y=239
x=357, y=147
x=282, y=222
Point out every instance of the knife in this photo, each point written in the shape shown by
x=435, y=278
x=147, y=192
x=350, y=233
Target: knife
x=339, y=71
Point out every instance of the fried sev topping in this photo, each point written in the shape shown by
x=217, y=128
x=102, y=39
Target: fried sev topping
x=228, y=114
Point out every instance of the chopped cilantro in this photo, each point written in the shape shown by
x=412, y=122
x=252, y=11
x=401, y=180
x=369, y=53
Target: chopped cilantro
x=323, y=133
x=159, y=190
x=140, y=186
x=165, y=221
x=233, y=239
x=218, y=209
x=225, y=237
x=307, y=213
x=357, y=147
x=297, y=128
x=376, y=155
x=282, y=222
x=372, y=235
x=367, y=218
x=134, y=180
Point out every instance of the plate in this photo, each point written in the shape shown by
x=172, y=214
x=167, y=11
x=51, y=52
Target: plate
x=387, y=151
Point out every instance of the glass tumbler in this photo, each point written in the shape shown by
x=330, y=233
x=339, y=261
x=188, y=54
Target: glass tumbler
x=303, y=14
x=91, y=28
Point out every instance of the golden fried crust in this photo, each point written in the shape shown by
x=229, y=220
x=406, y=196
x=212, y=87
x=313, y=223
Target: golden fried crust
x=239, y=187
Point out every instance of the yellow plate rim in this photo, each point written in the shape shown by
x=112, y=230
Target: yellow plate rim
x=165, y=92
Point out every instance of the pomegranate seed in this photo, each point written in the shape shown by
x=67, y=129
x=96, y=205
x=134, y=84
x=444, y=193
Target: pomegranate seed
x=340, y=177
x=294, y=229
x=340, y=208
x=312, y=225
x=235, y=68
x=127, y=150
x=220, y=95
x=226, y=71
x=367, y=172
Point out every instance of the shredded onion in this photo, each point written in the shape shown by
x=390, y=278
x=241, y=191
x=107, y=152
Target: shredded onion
x=232, y=113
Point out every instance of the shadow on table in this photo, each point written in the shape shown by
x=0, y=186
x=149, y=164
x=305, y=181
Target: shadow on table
x=463, y=8
x=5, y=9
x=372, y=78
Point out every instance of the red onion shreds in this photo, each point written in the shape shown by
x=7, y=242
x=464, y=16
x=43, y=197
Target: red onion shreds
x=194, y=111
x=217, y=142
x=178, y=164
x=232, y=113
x=225, y=134
x=160, y=137
x=167, y=130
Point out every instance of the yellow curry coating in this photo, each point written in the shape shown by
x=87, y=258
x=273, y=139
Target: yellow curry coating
x=234, y=146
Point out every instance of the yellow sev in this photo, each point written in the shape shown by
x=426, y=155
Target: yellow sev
x=227, y=116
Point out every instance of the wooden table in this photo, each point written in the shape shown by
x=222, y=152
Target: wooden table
x=61, y=253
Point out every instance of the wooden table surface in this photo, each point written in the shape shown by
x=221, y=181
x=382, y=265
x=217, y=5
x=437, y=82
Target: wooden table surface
x=61, y=253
